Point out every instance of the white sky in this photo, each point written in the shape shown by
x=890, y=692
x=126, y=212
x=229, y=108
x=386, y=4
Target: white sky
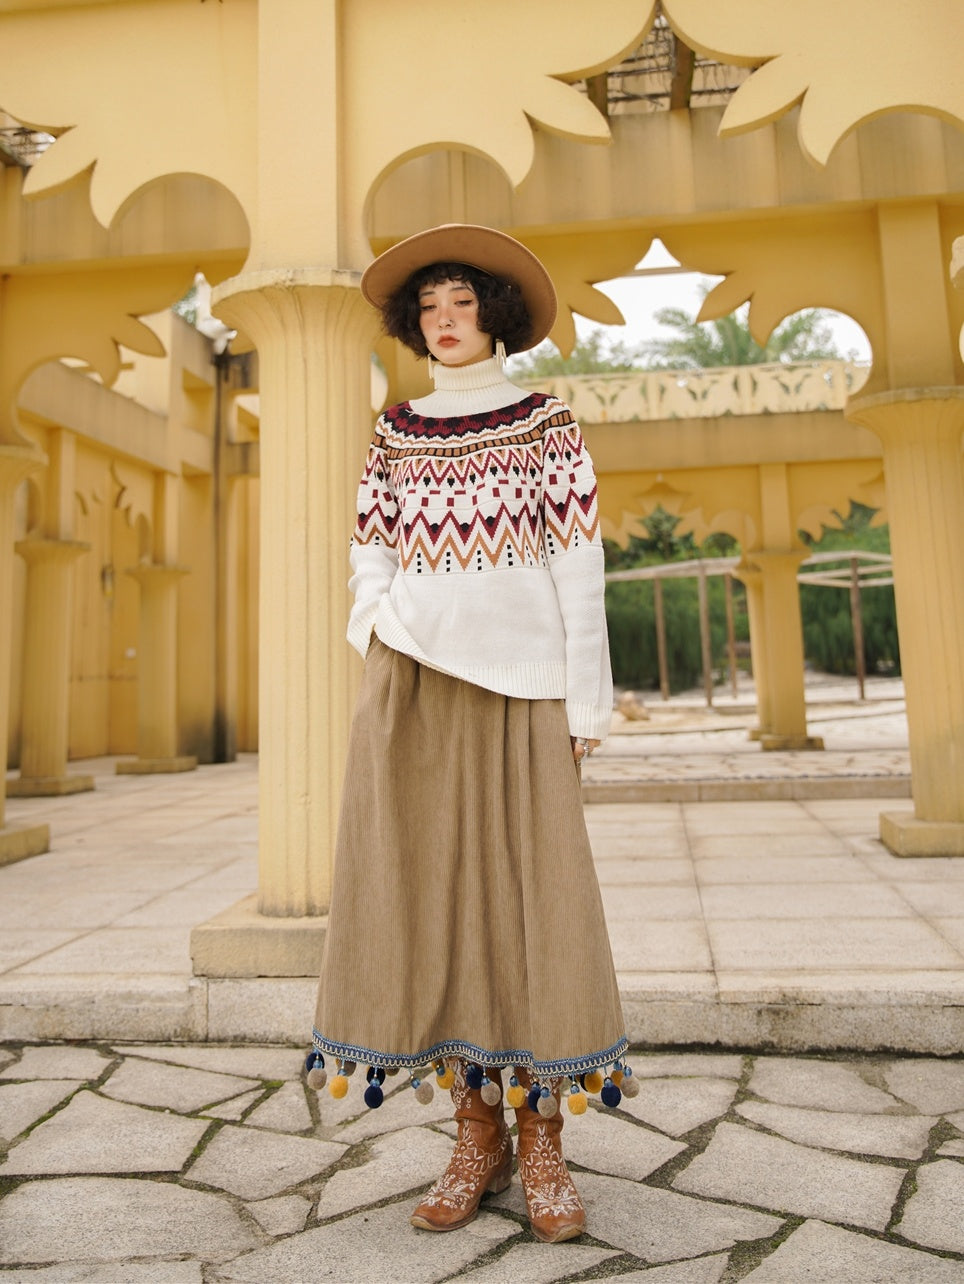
x=638, y=298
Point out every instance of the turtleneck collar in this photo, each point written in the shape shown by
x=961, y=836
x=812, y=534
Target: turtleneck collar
x=465, y=390
x=481, y=374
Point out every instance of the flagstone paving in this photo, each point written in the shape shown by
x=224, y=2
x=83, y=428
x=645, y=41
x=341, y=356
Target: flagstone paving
x=843, y=1169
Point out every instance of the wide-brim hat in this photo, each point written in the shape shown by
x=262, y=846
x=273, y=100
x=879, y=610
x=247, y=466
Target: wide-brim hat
x=479, y=247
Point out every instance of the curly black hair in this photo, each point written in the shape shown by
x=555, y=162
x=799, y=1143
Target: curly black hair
x=502, y=311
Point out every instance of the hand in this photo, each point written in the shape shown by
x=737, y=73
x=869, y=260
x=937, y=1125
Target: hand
x=581, y=747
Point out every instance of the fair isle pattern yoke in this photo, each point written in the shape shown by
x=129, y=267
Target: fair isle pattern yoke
x=492, y=490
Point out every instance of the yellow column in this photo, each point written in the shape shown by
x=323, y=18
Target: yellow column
x=775, y=603
x=157, y=673
x=314, y=333
x=46, y=669
x=16, y=462
x=921, y=431
x=752, y=579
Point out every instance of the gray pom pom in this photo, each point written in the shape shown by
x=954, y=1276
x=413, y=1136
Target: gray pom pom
x=630, y=1086
x=491, y=1093
x=317, y=1078
x=424, y=1093
x=548, y=1106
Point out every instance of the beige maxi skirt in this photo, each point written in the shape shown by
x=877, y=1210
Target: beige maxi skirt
x=466, y=918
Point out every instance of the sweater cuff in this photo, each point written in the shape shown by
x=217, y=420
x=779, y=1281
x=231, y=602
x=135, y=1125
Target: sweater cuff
x=588, y=720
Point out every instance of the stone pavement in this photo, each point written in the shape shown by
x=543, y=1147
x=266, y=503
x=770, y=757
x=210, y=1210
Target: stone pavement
x=191, y=1163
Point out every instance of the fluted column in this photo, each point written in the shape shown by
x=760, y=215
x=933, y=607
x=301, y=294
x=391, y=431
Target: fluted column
x=921, y=431
x=16, y=463
x=776, y=634
x=46, y=669
x=157, y=673
x=314, y=334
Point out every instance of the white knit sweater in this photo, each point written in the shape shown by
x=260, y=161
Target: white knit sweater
x=477, y=548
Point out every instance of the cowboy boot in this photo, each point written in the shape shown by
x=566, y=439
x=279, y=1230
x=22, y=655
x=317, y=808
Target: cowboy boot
x=552, y=1202
x=481, y=1161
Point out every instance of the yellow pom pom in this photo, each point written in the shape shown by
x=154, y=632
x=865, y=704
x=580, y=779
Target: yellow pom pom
x=617, y=1077
x=446, y=1079
x=338, y=1086
x=593, y=1081
x=577, y=1103
x=516, y=1096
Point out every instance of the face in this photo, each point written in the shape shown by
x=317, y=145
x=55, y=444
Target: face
x=448, y=317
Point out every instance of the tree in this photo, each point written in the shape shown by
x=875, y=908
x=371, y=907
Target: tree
x=805, y=336
x=595, y=353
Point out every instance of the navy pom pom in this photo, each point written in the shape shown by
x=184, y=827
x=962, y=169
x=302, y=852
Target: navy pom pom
x=375, y=1075
x=611, y=1095
x=312, y=1060
x=533, y=1099
x=374, y=1095
x=473, y=1077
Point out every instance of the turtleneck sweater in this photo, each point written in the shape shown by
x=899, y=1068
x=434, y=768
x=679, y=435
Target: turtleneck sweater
x=477, y=548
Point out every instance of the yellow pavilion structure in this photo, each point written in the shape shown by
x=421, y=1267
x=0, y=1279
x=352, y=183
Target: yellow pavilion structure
x=174, y=512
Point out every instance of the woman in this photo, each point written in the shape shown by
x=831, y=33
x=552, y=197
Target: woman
x=466, y=930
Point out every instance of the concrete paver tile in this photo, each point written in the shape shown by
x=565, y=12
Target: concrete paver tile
x=152, y=1083
x=646, y=873
x=232, y=1110
x=678, y=945
x=883, y=987
x=57, y=1061
x=399, y=1110
x=827, y=1085
x=678, y=1105
x=892, y=1136
x=282, y=1214
x=18, y=947
x=823, y=943
x=659, y=1065
x=185, y=907
x=101, y=1005
x=116, y=950
x=663, y=1226
x=652, y=984
x=374, y=1245
x=703, y=1270
x=935, y=900
x=250, y=1061
x=641, y=902
x=751, y=1167
x=284, y=1111
x=80, y=908
x=605, y=1143
x=932, y=1087
x=538, y=1264
x=782, y=900
x=756, y=868
x=114, y=1219
x=93, y=1135
x=921, y=869
x=816, y=1251
x=22, y=1104
x=399, y=1162
x=933, y=1213
x=775, y=847
x=255, y=1164
x=952, y=929
x=164, y=1272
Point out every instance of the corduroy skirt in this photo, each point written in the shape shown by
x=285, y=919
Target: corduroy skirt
x=466, y=918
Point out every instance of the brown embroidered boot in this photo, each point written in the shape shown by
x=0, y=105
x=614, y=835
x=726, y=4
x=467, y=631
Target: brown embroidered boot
x=482, y=1159
x=552, y=1201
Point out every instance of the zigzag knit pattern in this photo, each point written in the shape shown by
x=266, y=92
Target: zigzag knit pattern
x=493, y=490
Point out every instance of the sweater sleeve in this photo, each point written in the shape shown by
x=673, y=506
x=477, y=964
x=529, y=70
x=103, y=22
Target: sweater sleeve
x=575, y=556
x=373, y=551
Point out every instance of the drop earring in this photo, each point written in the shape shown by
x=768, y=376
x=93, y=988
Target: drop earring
x=500, y=354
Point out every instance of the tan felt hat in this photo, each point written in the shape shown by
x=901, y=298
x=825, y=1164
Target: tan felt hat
x=479, y=247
